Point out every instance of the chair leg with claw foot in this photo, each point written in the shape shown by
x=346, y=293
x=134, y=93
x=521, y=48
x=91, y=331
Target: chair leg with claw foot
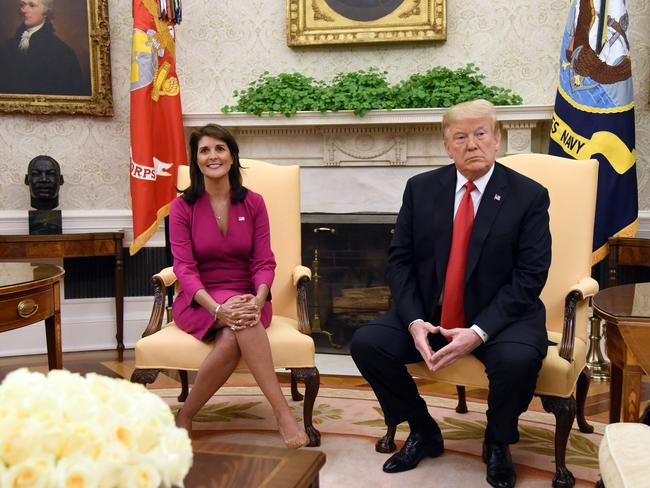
x=582, y=389
x=144, y=376
x=311, y=378
x=564, y=410
x=386, y=444
x=296, y=396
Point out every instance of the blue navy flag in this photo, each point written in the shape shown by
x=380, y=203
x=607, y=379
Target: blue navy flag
x=594, y=112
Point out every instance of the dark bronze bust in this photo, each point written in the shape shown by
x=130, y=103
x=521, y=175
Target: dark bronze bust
x=44, y=179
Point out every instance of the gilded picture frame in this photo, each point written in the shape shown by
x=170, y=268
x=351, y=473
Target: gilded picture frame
x=75, y=34
x=319, y=22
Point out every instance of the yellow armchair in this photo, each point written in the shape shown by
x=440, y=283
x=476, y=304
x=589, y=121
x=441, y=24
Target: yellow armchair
x=572, y=189
x=168, y=347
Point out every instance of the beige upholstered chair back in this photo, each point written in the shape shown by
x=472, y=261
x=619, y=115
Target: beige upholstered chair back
x=280, y=187
x=572, y=188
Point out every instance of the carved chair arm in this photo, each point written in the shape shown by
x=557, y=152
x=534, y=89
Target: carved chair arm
x=300, y=272
x=160, y=282
x=585, y=288
x=302, y=276
x=166, y=275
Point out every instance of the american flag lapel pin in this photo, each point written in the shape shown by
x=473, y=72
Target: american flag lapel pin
x=241, y=219
x=497, y=197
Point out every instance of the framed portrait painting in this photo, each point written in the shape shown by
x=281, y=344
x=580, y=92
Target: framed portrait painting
x=317, y=22
x=55, y=57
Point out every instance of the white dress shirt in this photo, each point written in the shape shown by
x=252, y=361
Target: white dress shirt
x=476, y=195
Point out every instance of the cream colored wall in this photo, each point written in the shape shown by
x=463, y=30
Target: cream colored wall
x=223, y=45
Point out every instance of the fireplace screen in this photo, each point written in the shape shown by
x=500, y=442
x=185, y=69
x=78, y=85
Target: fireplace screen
x=348, y=287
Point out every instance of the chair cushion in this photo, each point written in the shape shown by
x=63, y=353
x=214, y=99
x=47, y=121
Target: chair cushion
x=557, y=377
x=172, y=348
x=622, y=455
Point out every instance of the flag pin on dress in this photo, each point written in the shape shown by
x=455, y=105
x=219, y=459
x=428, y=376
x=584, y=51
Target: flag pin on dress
x=241, y=219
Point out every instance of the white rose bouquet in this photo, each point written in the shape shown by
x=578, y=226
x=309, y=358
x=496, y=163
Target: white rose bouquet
x=69, y=431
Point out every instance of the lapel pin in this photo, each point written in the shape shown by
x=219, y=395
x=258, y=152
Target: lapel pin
x=241, y=219
x=497, y=197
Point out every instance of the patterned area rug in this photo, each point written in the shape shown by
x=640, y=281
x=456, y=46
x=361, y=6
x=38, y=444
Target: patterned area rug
x=350, y=421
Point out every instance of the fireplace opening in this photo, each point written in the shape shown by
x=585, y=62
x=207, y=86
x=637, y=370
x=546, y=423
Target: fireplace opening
x=347, y=256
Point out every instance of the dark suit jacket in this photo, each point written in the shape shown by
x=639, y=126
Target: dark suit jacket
x=507, y=263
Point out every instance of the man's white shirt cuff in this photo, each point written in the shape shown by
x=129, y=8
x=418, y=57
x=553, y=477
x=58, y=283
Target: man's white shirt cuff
x=481, y=333
x=416, y=320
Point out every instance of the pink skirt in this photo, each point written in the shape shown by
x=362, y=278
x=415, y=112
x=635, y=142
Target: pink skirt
x=196, y=320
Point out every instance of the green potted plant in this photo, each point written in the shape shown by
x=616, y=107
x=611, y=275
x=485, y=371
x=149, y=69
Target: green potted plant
x=364, y=90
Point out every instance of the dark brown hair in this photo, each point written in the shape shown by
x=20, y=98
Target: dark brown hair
x=197, y=186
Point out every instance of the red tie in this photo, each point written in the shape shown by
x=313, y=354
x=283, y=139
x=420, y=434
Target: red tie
x=453, y=313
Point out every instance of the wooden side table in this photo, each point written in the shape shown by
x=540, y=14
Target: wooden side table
x=626, y=310
x=234, y=465
x=29, y=293
x=73, y=246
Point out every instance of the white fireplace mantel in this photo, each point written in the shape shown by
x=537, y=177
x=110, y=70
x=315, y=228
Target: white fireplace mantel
x=508, y=113
x=403, y=137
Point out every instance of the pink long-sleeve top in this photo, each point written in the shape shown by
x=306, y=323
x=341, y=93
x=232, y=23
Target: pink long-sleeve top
x=224, y=265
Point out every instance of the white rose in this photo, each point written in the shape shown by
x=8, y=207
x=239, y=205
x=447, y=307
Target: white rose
x=32, y=473
x=140, y=474
x=83, y=438
x=76, y=471
x=111, y=462
x=101, y=387
x=105, y=433
x=19, y=381
x=173, y=456
x=20, y=439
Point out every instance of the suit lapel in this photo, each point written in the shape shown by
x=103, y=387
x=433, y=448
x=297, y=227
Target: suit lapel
x=444, y=221
x=491, y=201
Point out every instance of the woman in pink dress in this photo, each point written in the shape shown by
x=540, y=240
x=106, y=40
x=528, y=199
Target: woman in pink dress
x=220, y=240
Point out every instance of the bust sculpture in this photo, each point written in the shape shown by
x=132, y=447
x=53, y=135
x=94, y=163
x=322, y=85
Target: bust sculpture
x=44, y=179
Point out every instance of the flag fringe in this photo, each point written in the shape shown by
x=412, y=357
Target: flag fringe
x=628, y=231
x=139, y=241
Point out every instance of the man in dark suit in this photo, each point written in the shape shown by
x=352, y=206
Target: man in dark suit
x=467, y=263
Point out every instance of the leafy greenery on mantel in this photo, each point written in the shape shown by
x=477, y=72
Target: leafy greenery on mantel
x=365, y=90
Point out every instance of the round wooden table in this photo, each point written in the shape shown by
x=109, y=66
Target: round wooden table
x=29, y=293
x=626, y=310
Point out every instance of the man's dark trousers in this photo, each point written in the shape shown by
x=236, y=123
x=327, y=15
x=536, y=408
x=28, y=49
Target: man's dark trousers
x=381, y=350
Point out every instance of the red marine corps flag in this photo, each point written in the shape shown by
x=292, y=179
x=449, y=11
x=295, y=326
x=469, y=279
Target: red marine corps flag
x=157, y=140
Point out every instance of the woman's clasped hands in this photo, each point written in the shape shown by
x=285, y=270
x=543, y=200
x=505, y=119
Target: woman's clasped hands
x=239, y=312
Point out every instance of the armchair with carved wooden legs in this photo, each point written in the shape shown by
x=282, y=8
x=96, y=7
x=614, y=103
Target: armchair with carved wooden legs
x=169, y=348
x=563, y=381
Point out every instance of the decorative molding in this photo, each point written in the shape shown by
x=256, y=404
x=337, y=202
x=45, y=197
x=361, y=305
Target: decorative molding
x=519, y=141
x=388, y=138
x=364, y=147
x=414, y=116
x=15, y=222
x=81, y=220
x=644, y=224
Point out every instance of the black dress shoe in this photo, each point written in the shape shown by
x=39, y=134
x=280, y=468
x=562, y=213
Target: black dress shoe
x=413, y=451
x=500, y=471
